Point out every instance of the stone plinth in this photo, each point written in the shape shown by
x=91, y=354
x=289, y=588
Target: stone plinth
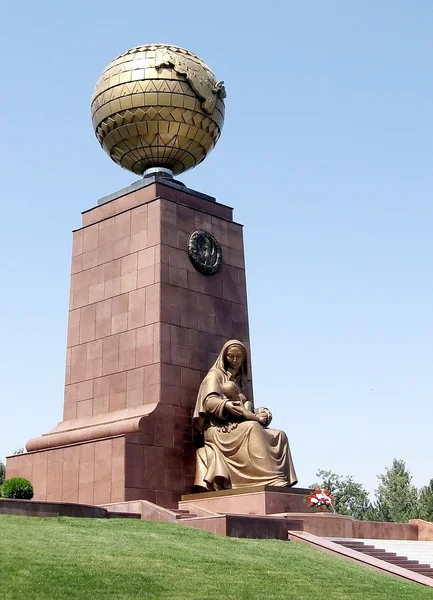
x=35, y=508
x=144, y=328
x=245, y=526
x=328, y=524
x=254, y=500
x=290, y=505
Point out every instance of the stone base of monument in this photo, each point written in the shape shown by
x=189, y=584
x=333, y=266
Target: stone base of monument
x=145, y=326
x=234, y=517
x=35, y=508
x=251, y=500
x=113, y=469
x=290, y=505
x=328, y=524
x=233, y=524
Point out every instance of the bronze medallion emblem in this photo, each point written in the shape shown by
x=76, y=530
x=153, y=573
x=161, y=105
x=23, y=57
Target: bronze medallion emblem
x=204, y=251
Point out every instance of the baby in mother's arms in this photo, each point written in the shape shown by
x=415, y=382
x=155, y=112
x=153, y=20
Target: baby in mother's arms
x=232, y=392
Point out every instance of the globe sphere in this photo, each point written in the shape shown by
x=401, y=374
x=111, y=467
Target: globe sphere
x=158, y=106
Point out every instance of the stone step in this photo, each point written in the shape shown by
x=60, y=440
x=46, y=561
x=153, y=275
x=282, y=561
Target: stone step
x=182, y=513
x=122, y=515
x=402, y=560
x=356, y=546
x=380, y=553
x=348, y=542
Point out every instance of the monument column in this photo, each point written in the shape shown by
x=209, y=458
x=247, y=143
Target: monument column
x=144, y=328
x=157, y=286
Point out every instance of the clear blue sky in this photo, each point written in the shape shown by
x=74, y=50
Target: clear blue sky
x=326, y=156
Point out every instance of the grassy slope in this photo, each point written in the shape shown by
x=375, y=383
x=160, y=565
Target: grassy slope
x=63, y=558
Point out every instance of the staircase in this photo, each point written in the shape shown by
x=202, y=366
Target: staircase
x=143, y=509
x=375, y=549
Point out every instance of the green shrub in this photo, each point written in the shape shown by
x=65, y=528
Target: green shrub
x=17, y=487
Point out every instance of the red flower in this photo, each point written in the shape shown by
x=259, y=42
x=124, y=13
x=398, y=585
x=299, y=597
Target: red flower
x=320, y=499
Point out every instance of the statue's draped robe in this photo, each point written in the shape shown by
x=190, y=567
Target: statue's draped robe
x=236, y=452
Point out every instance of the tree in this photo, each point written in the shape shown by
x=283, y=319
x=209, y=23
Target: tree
x=396, y=498
x=349, y=497
x=426, y=502
x=2, y=472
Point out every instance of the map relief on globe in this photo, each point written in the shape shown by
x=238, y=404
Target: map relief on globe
x=158, y=106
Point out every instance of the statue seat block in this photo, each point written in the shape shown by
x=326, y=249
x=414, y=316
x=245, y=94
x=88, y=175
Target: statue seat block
x=250, y=500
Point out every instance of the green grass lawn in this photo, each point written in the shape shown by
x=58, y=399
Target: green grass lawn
x=65, y=558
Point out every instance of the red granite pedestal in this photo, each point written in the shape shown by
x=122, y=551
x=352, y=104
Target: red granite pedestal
x=144, y=328
x=250, y=500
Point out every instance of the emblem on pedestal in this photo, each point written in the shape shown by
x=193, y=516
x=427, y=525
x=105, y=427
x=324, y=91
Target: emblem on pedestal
x=204, y=251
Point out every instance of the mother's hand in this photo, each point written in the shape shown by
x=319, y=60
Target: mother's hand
x=235, y=408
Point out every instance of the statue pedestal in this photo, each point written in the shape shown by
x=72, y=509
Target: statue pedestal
x=251, y=500
x=144, y=328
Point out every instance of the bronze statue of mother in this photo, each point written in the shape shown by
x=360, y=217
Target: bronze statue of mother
x=236, y=448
